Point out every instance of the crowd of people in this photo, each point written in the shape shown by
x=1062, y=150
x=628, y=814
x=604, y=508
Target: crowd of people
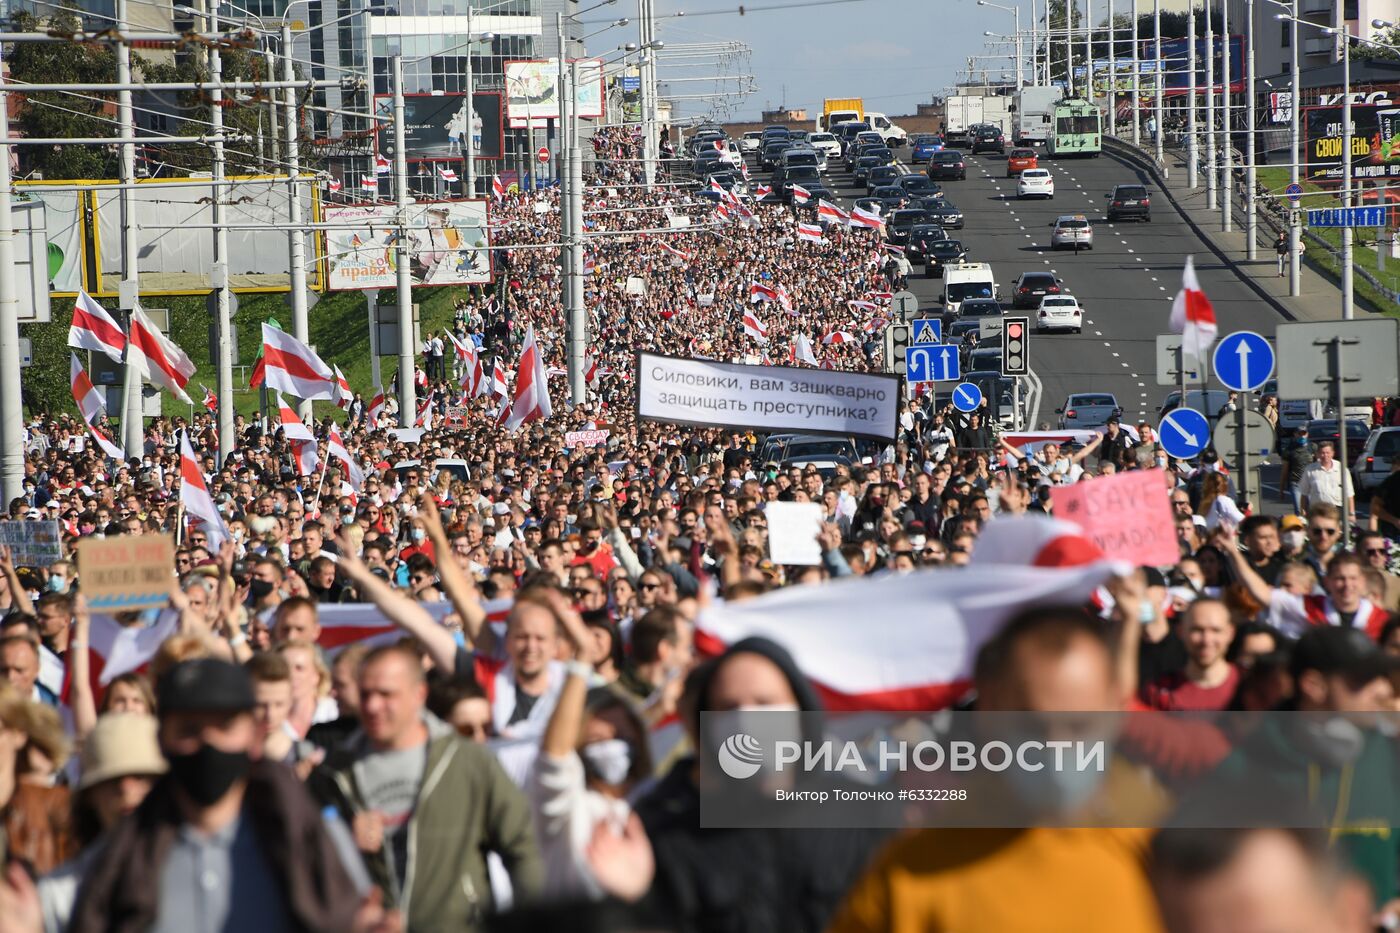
x=460, y=699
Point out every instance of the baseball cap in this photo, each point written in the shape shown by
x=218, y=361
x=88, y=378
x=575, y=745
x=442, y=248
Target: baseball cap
x=1335, y=649
x=204, y=685
x=1289, y=522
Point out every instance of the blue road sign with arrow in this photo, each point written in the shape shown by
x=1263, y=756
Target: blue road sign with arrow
x=925, y=331
x=1184, y=433
x=936, y=363
x=967, y=396
x=1347, y=217
x=1243, y=361
x=1294, y=192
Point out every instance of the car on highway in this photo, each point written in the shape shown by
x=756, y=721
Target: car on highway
x=1088, y=410
x=1035, y=183
x=923, y=145
x=988, y=138
x=1292, y=413
x=1326, y=430
x=801, y=155
x=961, y=328
x=1129, y=201
x=827, y=466
x=1018, y=160
x=934, y=250
x=1372, y=465
x=1059, y=312
x=890, y=193
x=984, y=358
x=967, y=281
x=978, y=308
x=1208, y=402
x=918, y=186
x=771, y=153
x=1071, y=231
x=752, y=141
x=855, y=148
x=1030, y=287
x=864, y=165
x=881, y=175
x=947, y=164
x=805, y=175
x=825, y=143
x=946, y=214
x=900, y=223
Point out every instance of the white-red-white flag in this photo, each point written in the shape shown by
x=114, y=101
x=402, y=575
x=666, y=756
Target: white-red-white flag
x=335, y=447
x=447, y=174
x=916, y=663
x=344, y=395
x=293, y=367
x=290, y=424
x=861, y=217
x=194, y=496
x=800, y=195
x=157, y=358
x=211, y=401
x=590, y=368
x=381, y=165
x=830, y=213
x=812, y=233
x=369, y=183
x=333, y=184
x=754, y=327
x=498, y=188
x=469, y=362
x=531, y=401
x=500, y=388
x=673, y=251
x=90, y=404
x=94, y=329
x=375, y=407
x=304, y=453
x=1192, y=315
x=762, y=191
x=760, y=292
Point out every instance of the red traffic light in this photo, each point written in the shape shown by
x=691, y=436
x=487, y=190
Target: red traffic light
x=1013, y=330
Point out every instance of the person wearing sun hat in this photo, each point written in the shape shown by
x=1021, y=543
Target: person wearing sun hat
x=118, y=764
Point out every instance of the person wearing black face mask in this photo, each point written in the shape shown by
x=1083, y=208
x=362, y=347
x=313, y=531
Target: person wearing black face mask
x=235, y=842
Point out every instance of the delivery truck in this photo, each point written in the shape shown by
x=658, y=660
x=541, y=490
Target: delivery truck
x=1035, y=110
x=960, y=112
x=837, y=110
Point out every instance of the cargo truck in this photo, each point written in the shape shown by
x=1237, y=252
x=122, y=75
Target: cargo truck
x=960, y=112
x=1035, y=111
x=840, y=110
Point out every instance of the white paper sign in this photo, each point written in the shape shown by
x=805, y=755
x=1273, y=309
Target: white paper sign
x=767, y=398
x=792, y=532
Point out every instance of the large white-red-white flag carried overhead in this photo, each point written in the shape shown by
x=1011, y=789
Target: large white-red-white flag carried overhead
x=839, y=337
x=760, y=292
x=157, y=358
x=830, y=213
x=935, y=622
x=801, y=351
x=447, y=174
x=469, y=362
x=1192, y=315
x=870, y=219
x=812, y=233
x=304, y=452
x=761, y=192
x=800, y=195
x=194, y=496
x=293, y=367
x=291, y=425
x=335, y=447
x=531, y=402
x=754, y=327
x=92, y=407
x=94, y=329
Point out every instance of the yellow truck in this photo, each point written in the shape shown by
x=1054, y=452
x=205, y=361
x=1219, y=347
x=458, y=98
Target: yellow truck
x=838, y=110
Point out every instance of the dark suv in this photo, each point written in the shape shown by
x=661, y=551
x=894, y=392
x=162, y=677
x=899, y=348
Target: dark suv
x=1030, y=287
x=988, y=139
x=947, y=164
x=1129, y=201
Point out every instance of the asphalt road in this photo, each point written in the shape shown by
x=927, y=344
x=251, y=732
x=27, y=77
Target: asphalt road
x=1126, y=283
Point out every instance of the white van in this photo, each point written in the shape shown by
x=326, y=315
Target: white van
x=967, y=280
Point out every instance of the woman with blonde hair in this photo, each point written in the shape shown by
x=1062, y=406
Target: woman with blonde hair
x=311, y=686
x=1216, y=504
x=34, y=818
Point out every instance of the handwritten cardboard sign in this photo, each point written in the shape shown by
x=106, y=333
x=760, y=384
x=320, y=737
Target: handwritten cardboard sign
x=126, y=572
x=32, y=544
x=1127, y=515
x=587, y=438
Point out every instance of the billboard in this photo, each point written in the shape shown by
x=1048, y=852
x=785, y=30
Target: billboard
x=435, y=124
x=1375, y=143
x=532, y=91
x=448, y=245
x=1176, y=61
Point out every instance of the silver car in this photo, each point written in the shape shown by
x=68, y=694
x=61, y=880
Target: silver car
x=1072, y=231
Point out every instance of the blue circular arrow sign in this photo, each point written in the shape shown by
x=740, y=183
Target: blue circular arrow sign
x=967, y=396
x=1243, y=361
x=1184, y=433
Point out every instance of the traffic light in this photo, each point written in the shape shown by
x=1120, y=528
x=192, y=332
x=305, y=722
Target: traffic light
x=1015, y=355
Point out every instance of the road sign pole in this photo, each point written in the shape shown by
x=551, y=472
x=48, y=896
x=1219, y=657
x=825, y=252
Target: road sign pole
x=1016, y=403
x=1334, y=364
x=1242, y=456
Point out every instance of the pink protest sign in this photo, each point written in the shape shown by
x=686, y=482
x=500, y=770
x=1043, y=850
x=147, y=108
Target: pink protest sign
x=1127, y=515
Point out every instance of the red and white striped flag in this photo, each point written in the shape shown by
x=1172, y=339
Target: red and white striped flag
x=333, y=184
x=761, y=192
x=335, y=447
x=936, y=621
x=343, y=393
x=830, y=213
x=531, y=402
x=863, y=305
x=892, y=249
x=369, y=183
x=590, y=368
x=754, y=327
x=211, y=401
x=94, y=329
x=760, y=292
x=446, y=173
x=498, y=188
x=500, y=388
x=1192, y=314
x=293, y=367
x=157, y=358
x=291, y=425
x=304, y=453
x=381, y=165
x=869, y=219
x=784, y=299
x=812, y=233
x=91, y=406
x=375, y=407
x=673, y=251
x=800, y=195
x=194, y=496
x=469, y=359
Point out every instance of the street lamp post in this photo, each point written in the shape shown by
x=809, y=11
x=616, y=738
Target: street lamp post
x=1348, y=233
x=1210, y=110
x=1016, y=12
x=1251, y=222
x=1227, y=172
x=1193, y=144
x=1159, y=79
x=1137, y=72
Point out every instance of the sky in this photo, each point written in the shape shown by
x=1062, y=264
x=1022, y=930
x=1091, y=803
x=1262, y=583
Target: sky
x=895, y=54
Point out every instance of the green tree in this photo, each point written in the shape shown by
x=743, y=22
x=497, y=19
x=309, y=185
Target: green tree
x=1389, y=38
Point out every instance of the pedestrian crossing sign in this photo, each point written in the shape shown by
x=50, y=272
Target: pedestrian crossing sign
x=927, y=331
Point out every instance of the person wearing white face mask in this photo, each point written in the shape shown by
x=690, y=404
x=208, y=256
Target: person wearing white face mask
x=592, y=756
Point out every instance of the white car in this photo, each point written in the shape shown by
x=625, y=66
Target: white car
x=825, y=143
x=1059, y=312
x=751, y=141
x=1035, y=183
